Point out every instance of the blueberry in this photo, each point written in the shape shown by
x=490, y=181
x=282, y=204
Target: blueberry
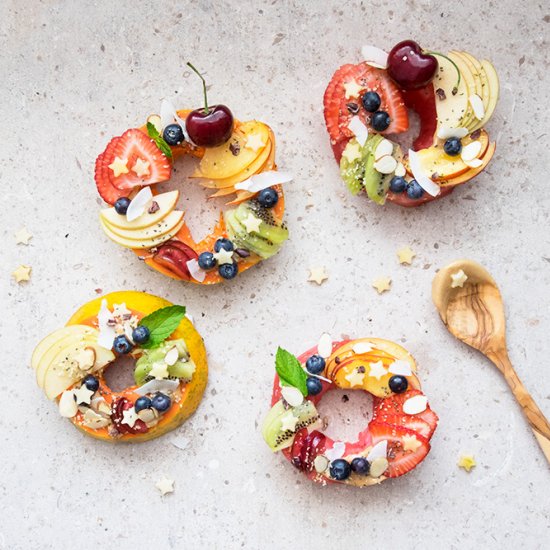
x=340, y=469
x=228, y=271
x=398, y=384
x=142, y=403
x=161, y=402
x=91, y=382
x=398, y=184
x=452, y=147
x=173, y=134
x=380, y=121
x=226, y=244
x=414, y=191
x=207, y=261
x=121, y=205
x=315, y=364
x=140, y=334
x=313, y=385
x=268, y=197
x=122, y=345
x=371, y=101
x=360, y=465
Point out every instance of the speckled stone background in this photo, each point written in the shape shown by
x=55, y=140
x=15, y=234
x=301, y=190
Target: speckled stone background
x=75, y=73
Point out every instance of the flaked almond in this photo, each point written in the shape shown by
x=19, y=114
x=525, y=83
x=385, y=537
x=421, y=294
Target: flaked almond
x=380, y=450
x=444, y=132
x=474, y=163
x=94, y=421
x=320, y=464
x=155, y=120
x=378, y=467
x=171, y=356
x=361, y=347
x=403, y=368
x=324, y=347
x=67, y=404
x=400, y=170
x=415, y=405
x=471, y=151
x=385, y=147
x=477, y=105
x=385, y=165
x=147, y=415
x=293, y=396
x=86, y=358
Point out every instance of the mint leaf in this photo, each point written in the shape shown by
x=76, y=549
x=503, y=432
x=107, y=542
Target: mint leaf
x=154, y=134
x=161, y=324
x=290, y=371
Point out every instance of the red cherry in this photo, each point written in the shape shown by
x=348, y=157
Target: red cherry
x=409, y=66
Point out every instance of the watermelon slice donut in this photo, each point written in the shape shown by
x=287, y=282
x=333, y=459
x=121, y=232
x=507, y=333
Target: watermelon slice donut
x=366, y=108
x=234, y=159
x=394, y=441
x=170, y=367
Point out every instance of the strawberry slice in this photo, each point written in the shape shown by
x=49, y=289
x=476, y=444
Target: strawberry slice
x=410, y=422
x=145, y=162
x=400, y=461
x=108, y=192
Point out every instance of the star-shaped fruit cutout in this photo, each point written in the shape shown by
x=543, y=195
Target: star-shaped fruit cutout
x=377, y=370
x=129, y=417
x=352, y=151
x=405, y=255
x=22, y=273
x=458, y=279
x=352, y=89
x=255, y=142
x=224, y=256
x=410, y=443
x=355, y=378
x=159, y=371
x=289, y=422
x=252, y=223
x=83, y=395
x=317, y=275
x=165, y=486
x=382, y=284
x=141, y=167
x=467, y=462
x=119, y=166
x=23, y=236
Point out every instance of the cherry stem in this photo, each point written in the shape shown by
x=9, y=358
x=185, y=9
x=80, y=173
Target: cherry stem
x=451, y=62
x=206, y=109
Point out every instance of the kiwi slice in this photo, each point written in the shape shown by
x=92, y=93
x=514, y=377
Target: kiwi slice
x=238, y=234
x=272, y=431
x=352, y=172
x=182, y=368
x=268, y=230
x=376, y=184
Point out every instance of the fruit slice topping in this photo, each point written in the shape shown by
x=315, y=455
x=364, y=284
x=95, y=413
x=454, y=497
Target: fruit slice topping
x=305, y=448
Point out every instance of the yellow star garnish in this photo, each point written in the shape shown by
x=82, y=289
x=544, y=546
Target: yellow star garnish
x=255, y=142
x=355, y=378
x=405, y=255
x=352, y=151
x=410, y=443
x=252, y=223
x=141, y=167
x=159, y=371
x=317, y=275
x=23, y=236
x=377, y=370
x=352, y=89
x=224, y=256
x=289, y=422
x=22, y=273
x=118, y=166
x=382, y=284
x=458, y=279
x=467, y=462
x=165, y=485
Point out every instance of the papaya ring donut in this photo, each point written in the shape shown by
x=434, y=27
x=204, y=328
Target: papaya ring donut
x=366, y=109
x=170, y=373
x=148, y=222
x=395, y=440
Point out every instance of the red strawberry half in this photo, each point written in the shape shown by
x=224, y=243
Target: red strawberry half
x=108, y=192
x=410, y=422
x=400, y=461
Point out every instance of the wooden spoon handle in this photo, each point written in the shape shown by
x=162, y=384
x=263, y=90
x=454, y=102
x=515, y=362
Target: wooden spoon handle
x=538, y=422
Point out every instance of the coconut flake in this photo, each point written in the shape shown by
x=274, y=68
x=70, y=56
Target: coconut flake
x=380, y=450
x=324, y=347
x=195, y=271
x=169, y=115
x=359, y=130
x=415, y=405
x=67, y=404
x=158, y=385
x=403, y=368
x=385, y=147
x=337, y=451
x=375, y=57
x=474, y=163
x=385, y=165
x=293, y=396
x=422, y=179
x=261, y=181
x=477, y=105
x=471, y=151
x=139, y=203
x=107, y=333
x=444, y=132
x=361, y=347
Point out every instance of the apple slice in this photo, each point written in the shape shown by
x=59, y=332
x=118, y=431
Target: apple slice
x=151, y=231
x=482, y=76
x=469, y=117
x=473, y=172
x=166, y=202
x=494, y=92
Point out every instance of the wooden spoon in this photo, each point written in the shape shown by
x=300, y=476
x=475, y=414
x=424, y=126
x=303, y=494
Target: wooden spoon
x=474, y=313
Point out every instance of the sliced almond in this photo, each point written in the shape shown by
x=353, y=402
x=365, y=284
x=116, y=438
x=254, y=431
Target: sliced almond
x=156, y=121
x=378, y=467
x=293, y=396
x=385, y=165
x=359, y=129
x=324, y=347
x=320, y=463
x=444, y=132
x=171, y=356
x=471, y=151
x=67, y=404
x=400, y=170
x=94, y=421
x=401, y=368
x=86, y=358
x=385, y=147
x=474, y=163
x=380, y=450
x=415, y=405
x=361, y=347
x=147, y=415
x=375, y=57
x=477, y=105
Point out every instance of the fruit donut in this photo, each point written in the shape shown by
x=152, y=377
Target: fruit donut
x=395, y=440
x=234, y=158
x=170, y=367
x=454, y=96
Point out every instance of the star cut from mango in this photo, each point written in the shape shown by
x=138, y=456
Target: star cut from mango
x=467, y=462
x=119, y=166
